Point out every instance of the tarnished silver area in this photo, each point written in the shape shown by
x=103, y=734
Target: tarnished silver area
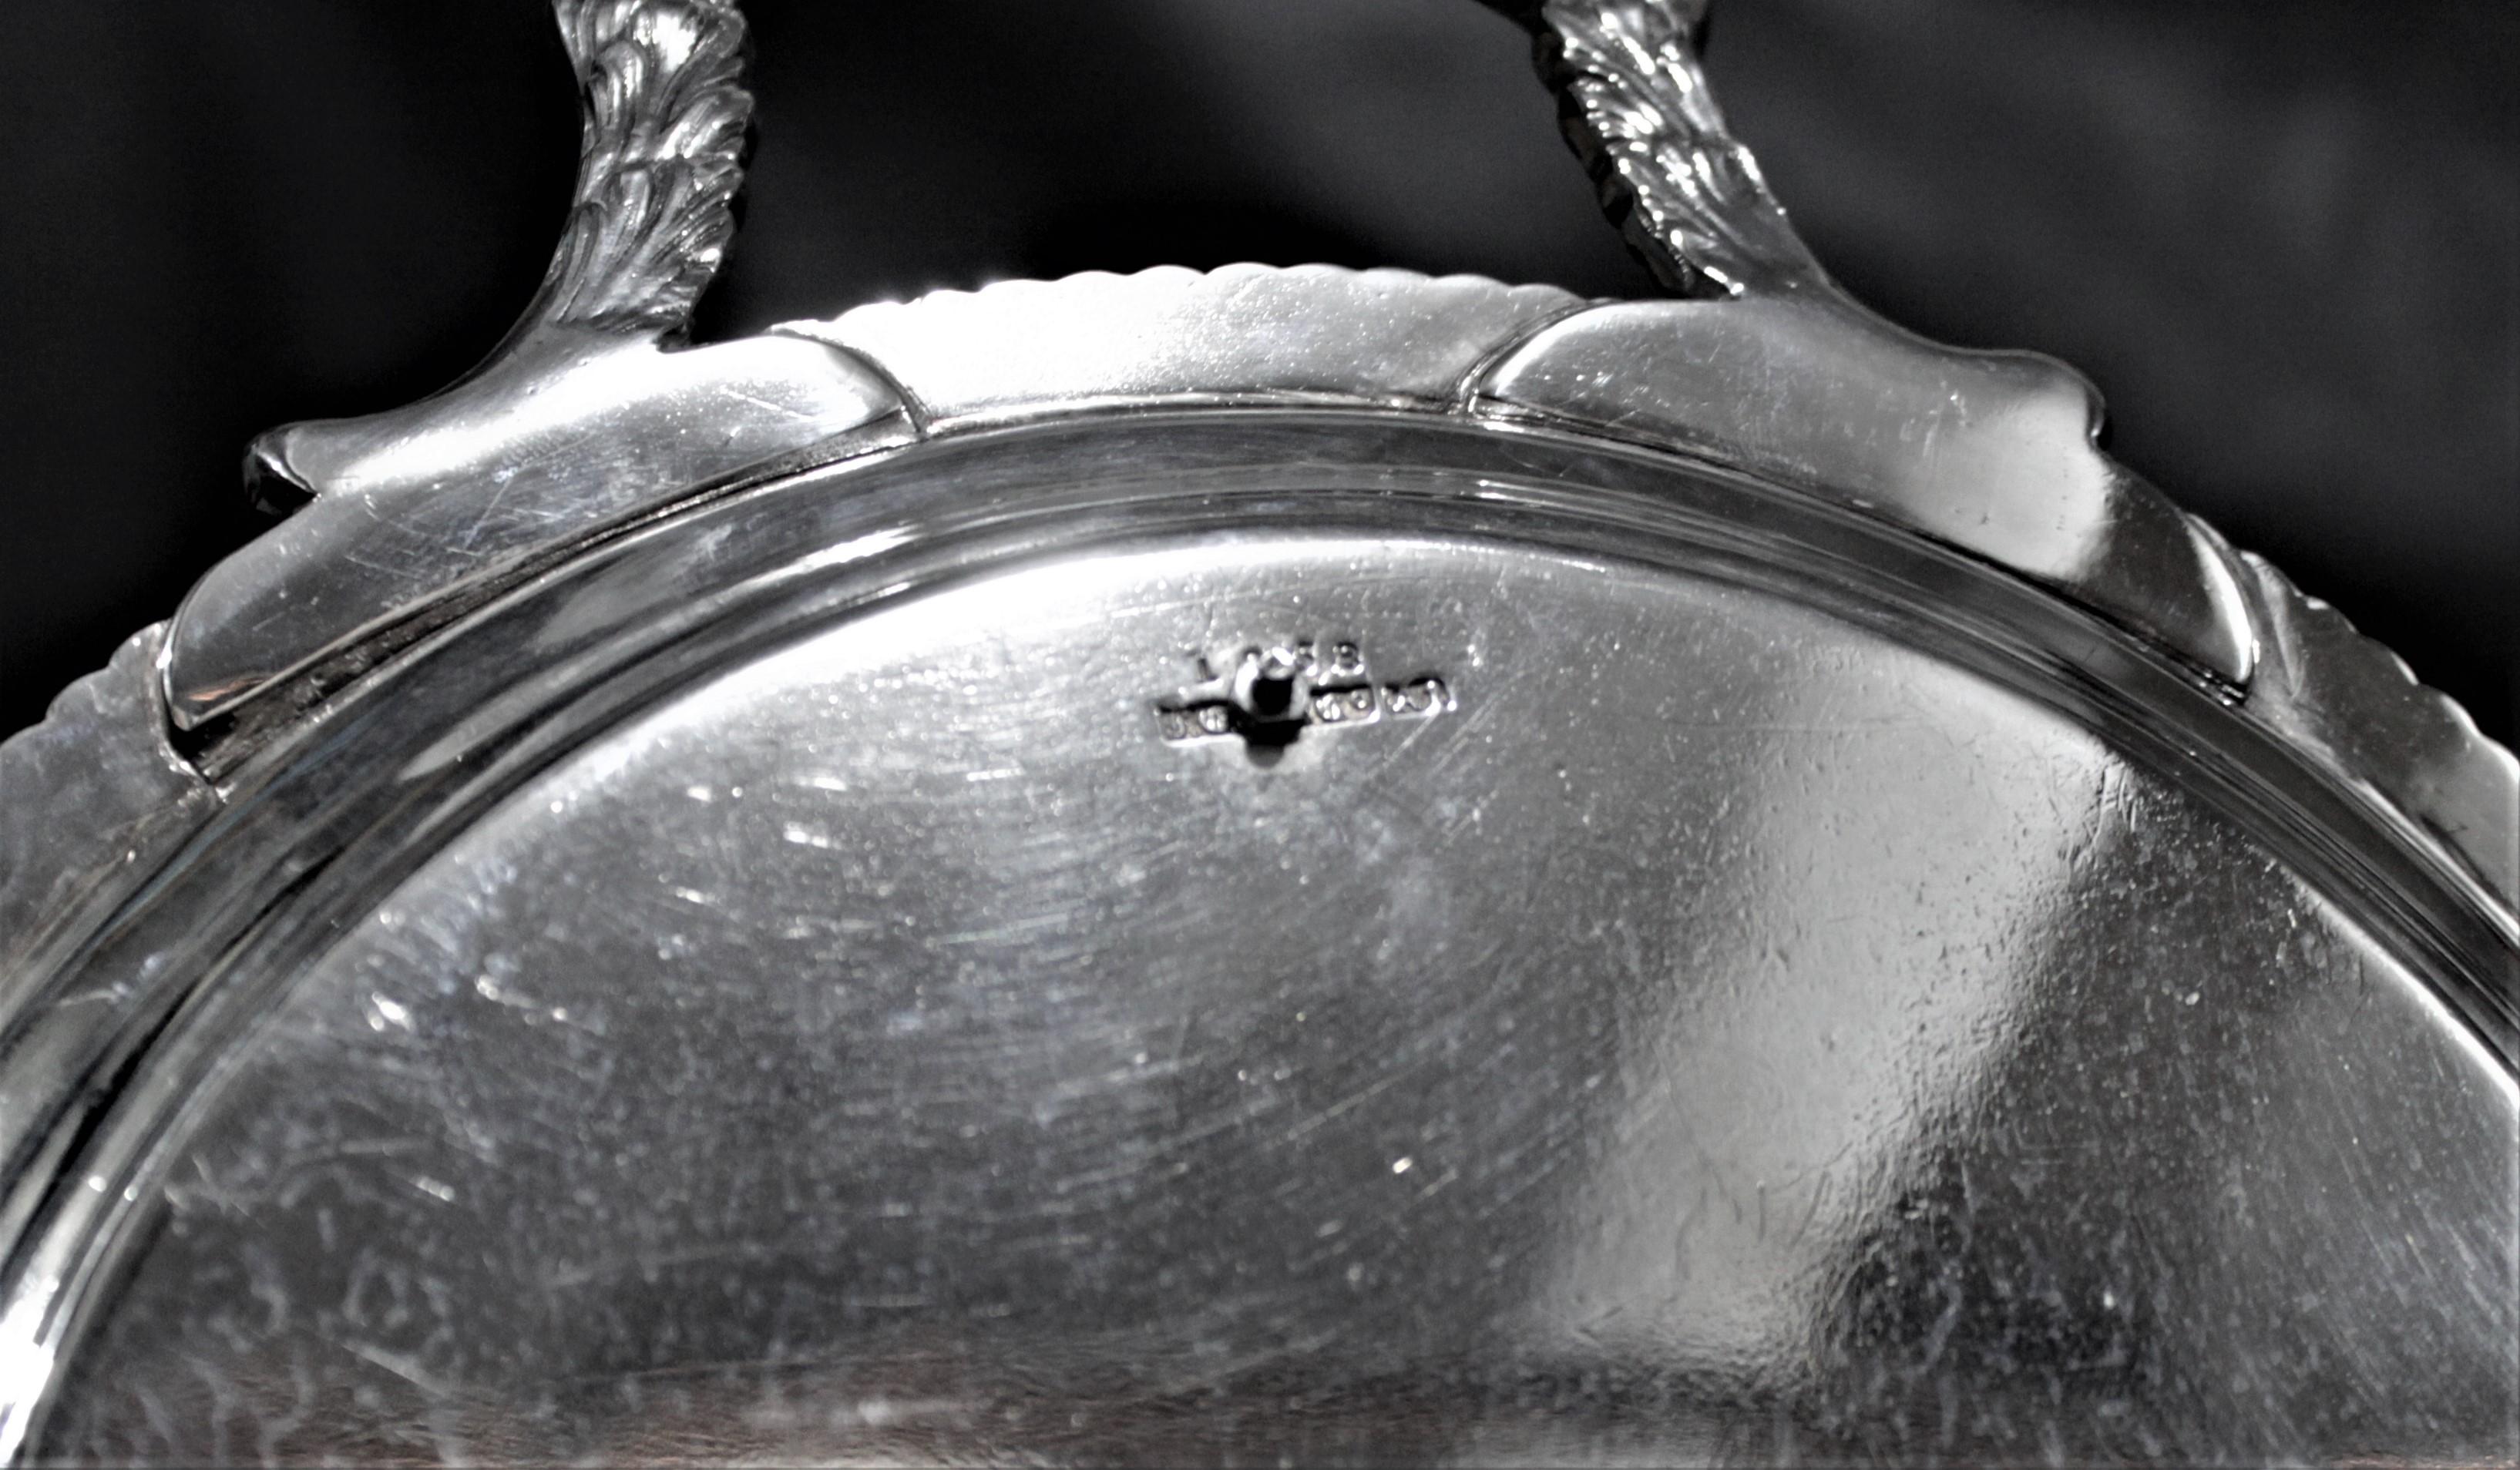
x=1265, y=865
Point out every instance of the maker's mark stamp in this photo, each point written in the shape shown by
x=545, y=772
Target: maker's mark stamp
x=1268, y=695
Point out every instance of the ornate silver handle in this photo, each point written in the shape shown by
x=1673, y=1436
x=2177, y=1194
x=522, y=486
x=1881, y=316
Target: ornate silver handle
x=666, y=112
x=215, y=748
x=1685, y=194
x=587, y=418
x=586, y=402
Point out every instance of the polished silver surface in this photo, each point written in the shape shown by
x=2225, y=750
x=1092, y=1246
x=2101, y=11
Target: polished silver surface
x=1173, y=338
x=589, y=413
x=1688, y=196
x=1271, y=864
x=1728, y=1028
x=96, y=798
x=696, y=1005
x=2354, y=707
x=581, y=423
x=1989, y=451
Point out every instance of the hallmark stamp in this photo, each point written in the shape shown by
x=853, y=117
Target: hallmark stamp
x=1268, y=695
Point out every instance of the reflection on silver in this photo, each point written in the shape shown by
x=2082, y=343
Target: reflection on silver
x=1989, y=451
x=1689, y=197
x=1259, y=864
x=1245, y=334
x=1733, y=1030
x=591, y=412
x=102, y=761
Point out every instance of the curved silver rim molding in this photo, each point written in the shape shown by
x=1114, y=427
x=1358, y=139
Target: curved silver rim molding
x=592, y=422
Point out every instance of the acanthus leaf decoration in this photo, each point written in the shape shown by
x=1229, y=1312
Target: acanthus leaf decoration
x=1687, y=194
x=666, y=115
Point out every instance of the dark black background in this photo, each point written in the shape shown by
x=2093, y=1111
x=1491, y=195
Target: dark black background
x=2281, y=238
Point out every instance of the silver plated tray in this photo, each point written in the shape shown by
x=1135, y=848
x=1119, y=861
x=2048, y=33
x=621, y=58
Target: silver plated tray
x=1254, y=865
